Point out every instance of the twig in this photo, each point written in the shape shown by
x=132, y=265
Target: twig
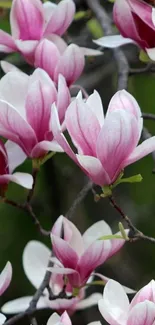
x=148, y=116
x=147, y=135
x=31, y=192
x=79, y=87
x=106, y=24
x=33, y=304
x=135, y=234
x=82, y=194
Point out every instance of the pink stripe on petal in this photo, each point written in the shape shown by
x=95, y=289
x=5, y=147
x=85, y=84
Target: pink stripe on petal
x=5, y=277
x=64, y=252
x=63, y=98
x=7, y=41
x=142, y=314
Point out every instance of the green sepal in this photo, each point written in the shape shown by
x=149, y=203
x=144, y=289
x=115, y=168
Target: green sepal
x=143, y=57
x=132, y=179
x=122, y=230
x=107, y=191
x=111, y=237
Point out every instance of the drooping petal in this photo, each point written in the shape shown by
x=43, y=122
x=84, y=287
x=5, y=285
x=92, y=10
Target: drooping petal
x=113, y=41
x=58, y=135
x=115, y=304
x=97, y=230
x=7, y=44
x=21, y=304
x=8, y=67
x=61, y=18
x=83, y=127
x=44, y=60
x=106, y=279
x=90, y=52
x=142, y=314
x=16, y=155
x=35, y=260
x=27, y=19
x=92, y=300
x=95, y=103
x=5, y=277
x=116, y=141
x=94, y=255
x=64, y=252
x=23, y=179
x=14, y=127
x=13, y=89
x=141, y=151
x=43, y=147
x=94, y=170
x=70, y=65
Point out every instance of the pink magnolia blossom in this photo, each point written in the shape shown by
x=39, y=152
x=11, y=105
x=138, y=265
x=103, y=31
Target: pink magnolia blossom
x=5, y=279
x=32, y=21
x=35, y=260
x=135, y=20
x=116, y=309
x=107, y=145
x=70, y=63
x=64, y=319
x=12, y=156
x=25, y=106
x=80, y=255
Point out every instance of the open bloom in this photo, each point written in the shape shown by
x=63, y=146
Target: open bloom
x=5, y=279
x=107, y=145
x=11, y=156
x=135, y=20
x=116, y=309
x=25, y=106
x=80, y=255
x=32, y=21
x=64, y=319
x=35, y=261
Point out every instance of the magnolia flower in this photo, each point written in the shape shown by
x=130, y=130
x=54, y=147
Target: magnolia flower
x=69, y=62
x=80, y=255
x=12, y=156
x=5, y=279
x=35, y=260
x=64, y=319
x=32, y=21
x=116, y=309
x=135, y=20
x=25, y=106
x=107, y=145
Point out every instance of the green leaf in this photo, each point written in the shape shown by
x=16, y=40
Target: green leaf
x=144, y=57
x=133, y=179
x=122, y=230
x=111, y=237
x=95, y=28
x=80, y=15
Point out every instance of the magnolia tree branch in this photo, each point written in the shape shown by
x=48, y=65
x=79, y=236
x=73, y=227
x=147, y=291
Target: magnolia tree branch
x=106, y=24
x=135, y=234
x=146, y=135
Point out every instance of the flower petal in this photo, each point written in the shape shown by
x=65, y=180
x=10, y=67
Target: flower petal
x=23, y=179
x=14, y=127
x=116, y=244
x=113, y=41
x=94, y=169
x=2, y=319
x=64, y=252
x=27, y=19
x=146, y=293
x=21, y=304
x=35, y=260
x=8, y=67
x=16, y=155
x=115, y=304
x=5, y=277
x=7, y=44
x=116, y=141
x=92, y=300
x=54, y=319
x=27, y=49
x=61, y=18
x=97, y=230
x=141, y=151
x=63, y=98
x=151, y=53
x=70, y=64
x=142, y=314
x=83, y=127
x=95, y=103
x=44, y=147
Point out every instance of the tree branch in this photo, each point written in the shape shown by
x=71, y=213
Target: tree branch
x=106, y=24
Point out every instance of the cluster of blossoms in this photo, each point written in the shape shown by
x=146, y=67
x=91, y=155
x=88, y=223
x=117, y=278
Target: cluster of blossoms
x=36, y=112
